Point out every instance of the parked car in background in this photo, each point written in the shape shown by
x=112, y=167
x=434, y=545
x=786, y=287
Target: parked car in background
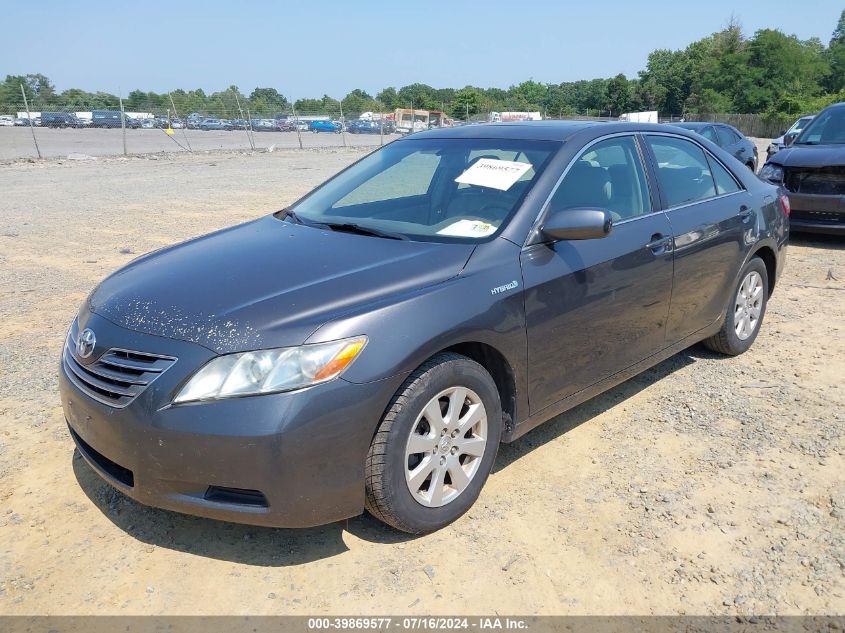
x=302, y=126
x=364, y=127
x=149, y=124
x=812, y=169
x=60, y=120
x=21, y=121
x=105, y=118
x=285, y=125
x=6, y=120
x=325, y=126
x=215, y=124
x=728, y=138
x=264, y=125
x=778, y=143
x=363, y=349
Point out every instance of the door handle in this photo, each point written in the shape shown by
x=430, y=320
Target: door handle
x=746, y=214
x=659, y=243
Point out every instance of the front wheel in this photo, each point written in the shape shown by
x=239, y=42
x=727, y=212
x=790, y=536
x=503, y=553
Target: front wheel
x=435, y=446
x=745, y=312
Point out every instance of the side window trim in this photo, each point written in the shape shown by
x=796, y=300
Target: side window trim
x=664, y=207
x=713, y=159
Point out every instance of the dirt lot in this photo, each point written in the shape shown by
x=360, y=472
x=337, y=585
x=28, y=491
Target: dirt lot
x=707, y=485
x=16, y=142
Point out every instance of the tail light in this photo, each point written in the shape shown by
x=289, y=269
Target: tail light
x=784, y=204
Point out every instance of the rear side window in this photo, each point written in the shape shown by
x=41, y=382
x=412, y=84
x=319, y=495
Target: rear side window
x=725, y=182
x=609, y=175
x=682, y=170
x=726, y=136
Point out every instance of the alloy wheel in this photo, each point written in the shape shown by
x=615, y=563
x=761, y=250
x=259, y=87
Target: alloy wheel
x=445, y=447
x=748, y=305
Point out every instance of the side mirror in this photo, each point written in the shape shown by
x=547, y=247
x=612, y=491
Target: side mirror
x=577, y=224
x=789, y=139
x=782, y=133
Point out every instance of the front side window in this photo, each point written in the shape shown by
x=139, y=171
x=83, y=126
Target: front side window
x=682, y=170
x=451, y=189
x=608, y=175
x=710, y=134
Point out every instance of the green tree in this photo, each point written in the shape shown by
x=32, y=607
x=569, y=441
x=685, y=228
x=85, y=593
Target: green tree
x=618, y=96
x=466, y=103
x=388, y=97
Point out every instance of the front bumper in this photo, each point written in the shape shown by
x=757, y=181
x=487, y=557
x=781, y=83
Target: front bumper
x=817, y=214
x=285, y=460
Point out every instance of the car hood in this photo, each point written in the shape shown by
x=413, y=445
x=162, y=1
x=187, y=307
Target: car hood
x=810, y=156
x=267, y=283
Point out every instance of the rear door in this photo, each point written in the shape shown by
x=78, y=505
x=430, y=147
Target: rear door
x=595, y=307
x=713, y=222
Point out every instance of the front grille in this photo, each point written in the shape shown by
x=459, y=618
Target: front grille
x=117, y=377
x=823, y=181
x=822, y=217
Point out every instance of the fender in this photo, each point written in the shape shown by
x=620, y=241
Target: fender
x=484, y=304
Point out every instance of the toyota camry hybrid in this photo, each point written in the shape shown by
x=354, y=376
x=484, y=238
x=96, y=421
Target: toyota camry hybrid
x=371, y=345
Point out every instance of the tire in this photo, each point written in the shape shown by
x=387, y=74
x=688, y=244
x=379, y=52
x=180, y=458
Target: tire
x=389, y=495
x=731, y=339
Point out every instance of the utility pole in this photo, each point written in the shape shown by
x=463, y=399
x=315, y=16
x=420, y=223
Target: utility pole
x=296, y=123
x=122, y=121
x=342, y=131
x=29, y=118
x=246, y=125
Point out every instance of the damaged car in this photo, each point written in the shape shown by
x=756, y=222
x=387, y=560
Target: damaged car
x=812, y=169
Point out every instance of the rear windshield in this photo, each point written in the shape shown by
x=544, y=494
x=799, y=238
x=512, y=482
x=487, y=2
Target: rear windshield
x=432, y=189
x=828, y=128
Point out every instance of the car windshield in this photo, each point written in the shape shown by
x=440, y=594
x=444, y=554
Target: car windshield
x=431, y=189
x=828, y=128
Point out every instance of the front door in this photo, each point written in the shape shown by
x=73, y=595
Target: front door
x=595, y=307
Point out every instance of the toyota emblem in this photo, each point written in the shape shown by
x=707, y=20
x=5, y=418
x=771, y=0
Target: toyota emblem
x=85, y=343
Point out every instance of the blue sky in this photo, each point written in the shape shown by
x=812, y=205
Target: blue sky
x=310, y=48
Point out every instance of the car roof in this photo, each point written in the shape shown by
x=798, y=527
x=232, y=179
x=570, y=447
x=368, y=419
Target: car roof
x=538, y=130
x=693, y=125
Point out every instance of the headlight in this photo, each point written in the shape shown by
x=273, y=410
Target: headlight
x=271, y=370
x=772, y=172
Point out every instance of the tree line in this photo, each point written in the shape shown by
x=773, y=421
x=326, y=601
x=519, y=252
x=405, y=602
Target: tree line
x=770, y=73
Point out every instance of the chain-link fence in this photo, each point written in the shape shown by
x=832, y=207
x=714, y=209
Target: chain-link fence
x=27, y=131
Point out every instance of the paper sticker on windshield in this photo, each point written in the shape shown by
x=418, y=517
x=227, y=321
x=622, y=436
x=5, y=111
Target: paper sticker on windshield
x=497, y=174
x=468, y=228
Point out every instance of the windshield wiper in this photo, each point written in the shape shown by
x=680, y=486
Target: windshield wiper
x=288, y=213
x=298, y=219
x=349, y=227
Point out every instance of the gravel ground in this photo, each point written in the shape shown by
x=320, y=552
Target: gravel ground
x=16, y=142
x=706, y=485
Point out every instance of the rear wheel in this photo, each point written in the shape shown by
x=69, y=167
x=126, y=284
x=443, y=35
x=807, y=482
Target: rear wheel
x=435, y=446
x=745, y=312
